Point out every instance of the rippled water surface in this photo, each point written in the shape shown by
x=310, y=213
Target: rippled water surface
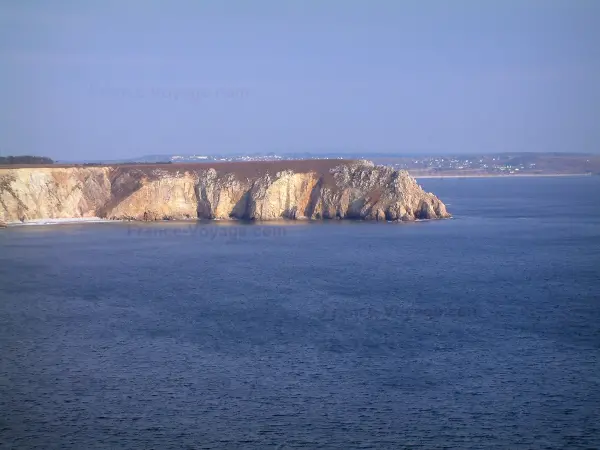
x=478, y=332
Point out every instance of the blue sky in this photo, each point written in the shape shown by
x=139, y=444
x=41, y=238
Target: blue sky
x=116, y=79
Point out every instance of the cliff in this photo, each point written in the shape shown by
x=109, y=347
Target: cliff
x=311, y=189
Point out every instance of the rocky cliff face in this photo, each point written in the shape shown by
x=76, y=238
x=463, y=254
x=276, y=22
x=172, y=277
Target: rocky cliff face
x=325, y=189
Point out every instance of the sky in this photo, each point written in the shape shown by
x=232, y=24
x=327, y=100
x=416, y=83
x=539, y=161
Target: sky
x=117, y=79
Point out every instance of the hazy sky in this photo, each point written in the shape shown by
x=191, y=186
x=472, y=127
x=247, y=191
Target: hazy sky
x=111, y=79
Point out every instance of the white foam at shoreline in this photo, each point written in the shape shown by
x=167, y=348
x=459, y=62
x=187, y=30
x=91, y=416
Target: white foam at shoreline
x=59, y=221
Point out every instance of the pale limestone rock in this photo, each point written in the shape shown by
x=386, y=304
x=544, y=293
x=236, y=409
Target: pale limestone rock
x=168, y=197
x=356, y=190
x=52, y=193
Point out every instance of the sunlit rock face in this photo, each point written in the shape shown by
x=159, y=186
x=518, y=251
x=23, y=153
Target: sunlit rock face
x=311, y=189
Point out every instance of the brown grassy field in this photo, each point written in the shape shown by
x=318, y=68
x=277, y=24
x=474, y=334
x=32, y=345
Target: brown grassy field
x=242, y=168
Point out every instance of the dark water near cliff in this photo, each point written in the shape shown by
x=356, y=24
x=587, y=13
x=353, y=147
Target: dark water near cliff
x=477, y=332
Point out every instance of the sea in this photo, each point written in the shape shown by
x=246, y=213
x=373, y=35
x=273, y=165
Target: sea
x=481, y=331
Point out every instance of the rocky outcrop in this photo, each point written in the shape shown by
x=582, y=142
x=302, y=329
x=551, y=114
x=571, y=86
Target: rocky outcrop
x=48, y=192
x=325, y=189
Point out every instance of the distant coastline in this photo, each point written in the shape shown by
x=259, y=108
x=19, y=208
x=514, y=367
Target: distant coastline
x=420, y=166
x=522, y=175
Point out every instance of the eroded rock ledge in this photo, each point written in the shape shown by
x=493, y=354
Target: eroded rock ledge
x=311, y=189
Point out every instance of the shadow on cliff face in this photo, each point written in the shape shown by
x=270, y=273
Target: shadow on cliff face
x=430, y=209
x=203, y=209
x=123, y=183
x=6, y=187
x=315, y=195
x=240, y=210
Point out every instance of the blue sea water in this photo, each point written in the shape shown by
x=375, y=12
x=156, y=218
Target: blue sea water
x=482, y=331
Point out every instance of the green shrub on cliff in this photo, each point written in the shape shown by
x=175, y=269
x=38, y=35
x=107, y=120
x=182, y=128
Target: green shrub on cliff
x=25, y=160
